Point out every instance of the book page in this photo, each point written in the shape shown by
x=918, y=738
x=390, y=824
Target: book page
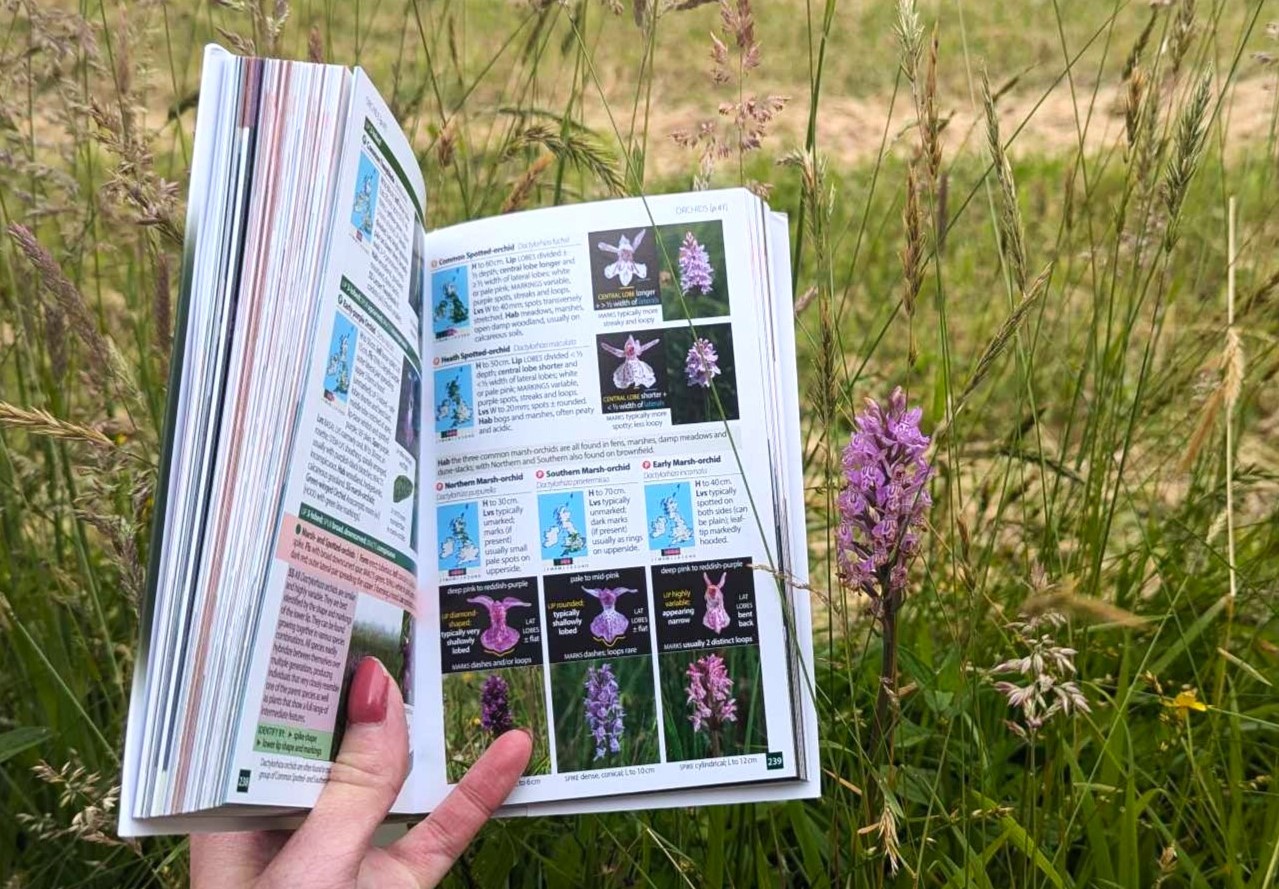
x=603, y=510
x=343, y=581
x=196, y=350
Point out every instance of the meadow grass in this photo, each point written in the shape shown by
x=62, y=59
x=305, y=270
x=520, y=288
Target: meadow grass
x=1043, y=267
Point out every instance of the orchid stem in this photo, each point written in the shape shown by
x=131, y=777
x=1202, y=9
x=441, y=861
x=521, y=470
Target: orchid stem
x=886, y=699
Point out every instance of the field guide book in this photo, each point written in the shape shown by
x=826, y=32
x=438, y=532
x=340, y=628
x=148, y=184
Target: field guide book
x=546, y=466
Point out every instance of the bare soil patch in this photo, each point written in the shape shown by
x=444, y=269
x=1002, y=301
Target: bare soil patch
x=851, y=129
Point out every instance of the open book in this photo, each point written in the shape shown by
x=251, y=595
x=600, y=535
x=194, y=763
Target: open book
x=545, y=466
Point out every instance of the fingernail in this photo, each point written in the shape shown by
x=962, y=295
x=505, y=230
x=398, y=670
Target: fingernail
x=366, y=702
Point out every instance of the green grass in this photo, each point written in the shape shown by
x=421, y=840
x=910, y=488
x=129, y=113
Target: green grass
x=1081, y=454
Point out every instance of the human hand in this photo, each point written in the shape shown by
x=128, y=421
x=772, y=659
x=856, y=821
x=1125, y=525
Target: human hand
x=333, y=846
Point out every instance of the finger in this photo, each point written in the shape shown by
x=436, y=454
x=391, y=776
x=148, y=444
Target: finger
x=430, y=849
x=232, y=859
x=366, y=777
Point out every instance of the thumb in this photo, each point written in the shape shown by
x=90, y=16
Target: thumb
x=366, y=777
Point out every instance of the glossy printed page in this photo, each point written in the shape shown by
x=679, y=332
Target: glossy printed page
x=343, y=582
x=603, y=498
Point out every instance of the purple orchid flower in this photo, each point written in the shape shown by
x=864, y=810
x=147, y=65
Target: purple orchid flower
x=604, y=712
x=495, y=706
x=695, y=271
x=701, y=364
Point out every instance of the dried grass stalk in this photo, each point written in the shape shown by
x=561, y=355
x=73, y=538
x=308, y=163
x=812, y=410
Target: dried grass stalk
x=804, y=299
x=525, y=184
x=1012, y=240
x=1207, y=422
x=912, y=254
x=931, y=130
x=1139, y=46
x=1229, y=366
x=998, y=345
x=1067, y=601
x=1183, y=35
x=573, y=146
x=39, y=422
x=315, y=45
x=446, y=146
x=106, y=361
x=161, y=308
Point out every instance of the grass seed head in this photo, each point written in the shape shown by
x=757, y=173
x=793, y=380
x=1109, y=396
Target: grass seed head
x=1013, y=239
x=1188, y=146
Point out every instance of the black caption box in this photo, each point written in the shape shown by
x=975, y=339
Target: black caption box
x=485, y=626
x=705, y=605
x=577, y=625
